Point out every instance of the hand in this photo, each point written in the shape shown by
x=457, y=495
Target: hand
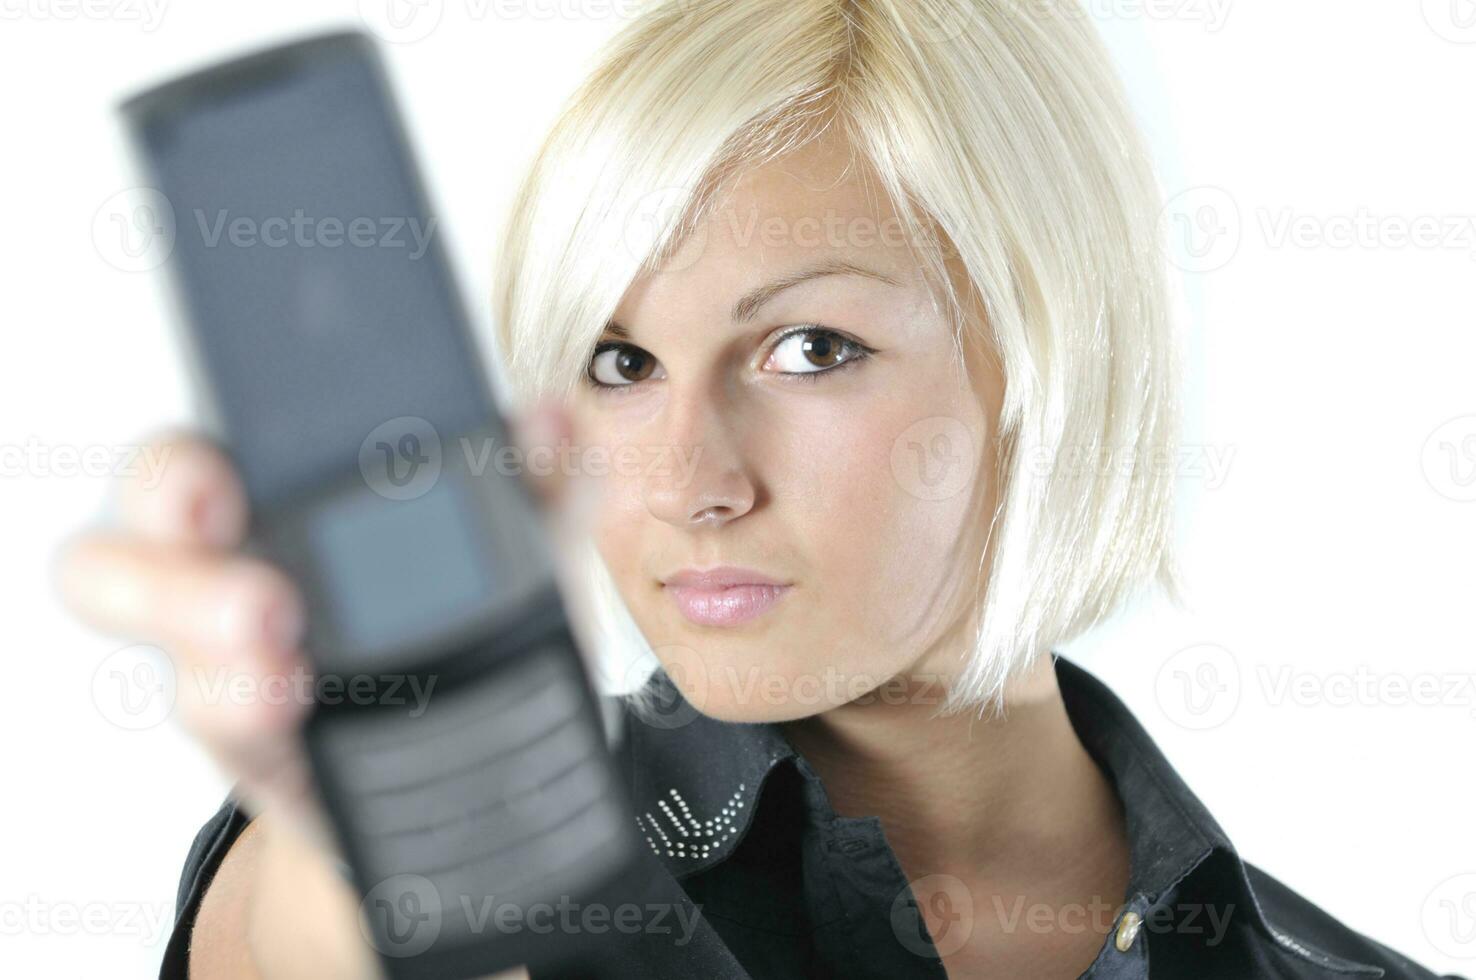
x=171, y=573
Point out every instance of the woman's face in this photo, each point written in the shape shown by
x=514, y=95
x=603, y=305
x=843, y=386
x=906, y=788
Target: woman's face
x=783, y=401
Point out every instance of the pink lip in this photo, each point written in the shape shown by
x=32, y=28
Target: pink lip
x=724, y=596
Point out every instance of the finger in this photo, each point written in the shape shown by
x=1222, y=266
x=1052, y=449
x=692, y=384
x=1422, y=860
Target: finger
x=191, y=599
x=243, y=705
x=569, y=499
x=269, y=761
x=554, y=469
x=544, y=437
x=188, y=494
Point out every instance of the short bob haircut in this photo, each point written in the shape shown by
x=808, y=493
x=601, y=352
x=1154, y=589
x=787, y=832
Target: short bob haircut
x=1003, y=138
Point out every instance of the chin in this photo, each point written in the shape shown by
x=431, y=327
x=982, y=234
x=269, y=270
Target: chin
x=731, y=680
x=726, y=704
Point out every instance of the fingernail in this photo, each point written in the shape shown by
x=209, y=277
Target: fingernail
x=215, y=519
x=260, y=614
x=282, y=625
x=539, y=427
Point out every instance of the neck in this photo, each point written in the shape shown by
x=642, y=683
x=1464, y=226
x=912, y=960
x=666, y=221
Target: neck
x=991, y=798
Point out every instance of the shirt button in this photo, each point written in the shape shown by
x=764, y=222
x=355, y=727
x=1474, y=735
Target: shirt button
x=1127, y=931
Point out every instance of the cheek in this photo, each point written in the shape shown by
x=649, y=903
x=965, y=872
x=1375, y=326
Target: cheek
x=875, y=537
x=622, y=526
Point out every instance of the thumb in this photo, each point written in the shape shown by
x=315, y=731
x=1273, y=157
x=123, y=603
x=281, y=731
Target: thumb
x=544, y=436
x=553, y=468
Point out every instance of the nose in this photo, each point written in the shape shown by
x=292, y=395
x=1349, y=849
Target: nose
x=706, y=481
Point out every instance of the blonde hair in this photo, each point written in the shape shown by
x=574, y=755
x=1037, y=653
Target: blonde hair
x=1003, y=138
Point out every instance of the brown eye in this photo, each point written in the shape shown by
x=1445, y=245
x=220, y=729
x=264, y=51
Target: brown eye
x=822, y=350
x=810, y=351
x=621, y=365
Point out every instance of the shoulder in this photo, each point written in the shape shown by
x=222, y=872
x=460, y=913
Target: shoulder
x=207, y=852
x=1303, y=928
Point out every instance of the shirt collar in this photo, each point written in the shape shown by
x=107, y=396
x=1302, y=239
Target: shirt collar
x=695, y=783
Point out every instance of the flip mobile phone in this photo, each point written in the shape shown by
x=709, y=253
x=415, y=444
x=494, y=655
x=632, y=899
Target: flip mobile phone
x=456, y=741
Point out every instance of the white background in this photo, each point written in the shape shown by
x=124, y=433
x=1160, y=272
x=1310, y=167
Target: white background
x=1329, y=521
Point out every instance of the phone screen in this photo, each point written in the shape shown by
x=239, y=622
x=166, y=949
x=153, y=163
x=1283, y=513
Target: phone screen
x=310, y=267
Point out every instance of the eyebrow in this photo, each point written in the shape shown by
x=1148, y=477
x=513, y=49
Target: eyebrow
x=748, y=306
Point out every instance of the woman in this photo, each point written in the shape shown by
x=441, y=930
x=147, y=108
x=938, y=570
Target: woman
x=871, y=289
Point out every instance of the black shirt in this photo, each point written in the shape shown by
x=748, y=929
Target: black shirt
x=751, y=874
